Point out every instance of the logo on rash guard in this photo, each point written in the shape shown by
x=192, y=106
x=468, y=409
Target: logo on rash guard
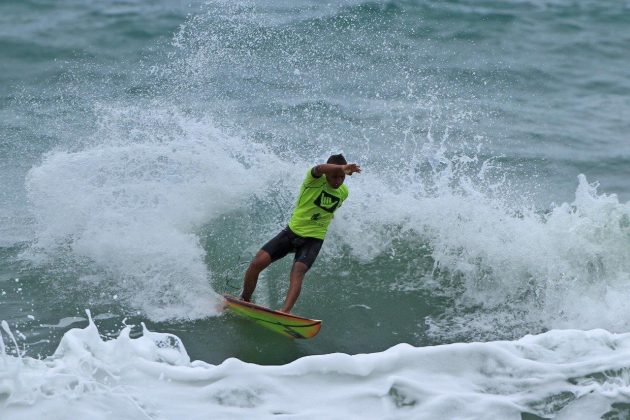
x=327, y=202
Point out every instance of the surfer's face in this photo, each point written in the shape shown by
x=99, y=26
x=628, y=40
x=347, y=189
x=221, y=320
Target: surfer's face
x=335, y=181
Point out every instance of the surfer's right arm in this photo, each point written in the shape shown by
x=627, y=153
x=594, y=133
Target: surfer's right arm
x=335, y=170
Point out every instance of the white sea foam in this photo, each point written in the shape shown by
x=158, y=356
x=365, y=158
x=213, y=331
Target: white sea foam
x=569, y=374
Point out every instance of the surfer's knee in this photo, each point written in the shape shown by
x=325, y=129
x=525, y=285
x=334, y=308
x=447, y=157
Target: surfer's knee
x=299, y=268
x=261, y=260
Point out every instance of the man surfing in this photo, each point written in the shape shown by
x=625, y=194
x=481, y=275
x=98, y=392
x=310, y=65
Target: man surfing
x=321, y=194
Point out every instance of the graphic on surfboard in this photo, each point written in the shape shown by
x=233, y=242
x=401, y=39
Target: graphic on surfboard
x=286, y=324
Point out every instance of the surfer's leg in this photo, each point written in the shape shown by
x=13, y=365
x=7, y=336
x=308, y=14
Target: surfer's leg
x=258, y=264
x=305, y=256
x=273, y=250
x=298, y=271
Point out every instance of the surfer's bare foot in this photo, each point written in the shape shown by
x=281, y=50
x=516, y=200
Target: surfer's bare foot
x=243, y=299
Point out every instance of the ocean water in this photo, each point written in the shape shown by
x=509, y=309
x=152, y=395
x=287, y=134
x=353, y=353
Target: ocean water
x=479, y=268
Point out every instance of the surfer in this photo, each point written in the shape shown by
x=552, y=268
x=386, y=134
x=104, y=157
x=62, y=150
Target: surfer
x=322, y=193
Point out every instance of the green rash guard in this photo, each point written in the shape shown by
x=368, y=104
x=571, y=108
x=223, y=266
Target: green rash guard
x=316, y=206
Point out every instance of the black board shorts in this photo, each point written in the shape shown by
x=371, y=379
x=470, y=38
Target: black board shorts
x=306, y=249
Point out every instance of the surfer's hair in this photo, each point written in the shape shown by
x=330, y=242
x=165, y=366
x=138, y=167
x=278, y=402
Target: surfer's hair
x=337, y=160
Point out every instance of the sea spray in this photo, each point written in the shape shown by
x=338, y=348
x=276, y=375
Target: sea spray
x=7, y=330
x=131, y=208
x=564, y=268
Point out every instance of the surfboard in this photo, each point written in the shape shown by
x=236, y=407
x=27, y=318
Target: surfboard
x=286, y=324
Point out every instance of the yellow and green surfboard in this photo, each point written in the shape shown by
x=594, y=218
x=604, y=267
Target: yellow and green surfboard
x=286, y=324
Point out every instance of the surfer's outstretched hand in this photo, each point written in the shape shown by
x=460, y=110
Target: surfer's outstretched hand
x=351, y=168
